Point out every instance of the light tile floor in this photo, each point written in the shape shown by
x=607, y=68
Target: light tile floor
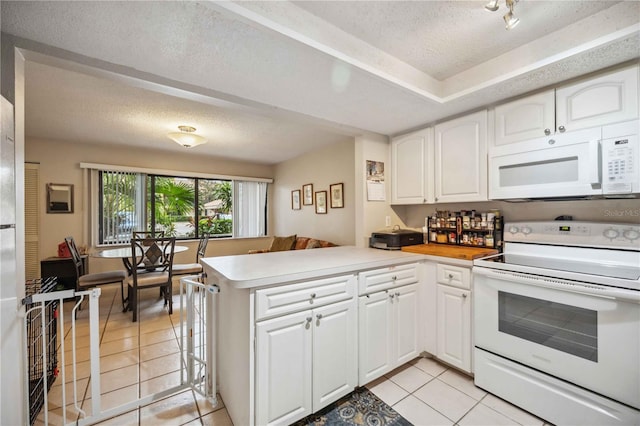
x=141, y=358
x=426, y=392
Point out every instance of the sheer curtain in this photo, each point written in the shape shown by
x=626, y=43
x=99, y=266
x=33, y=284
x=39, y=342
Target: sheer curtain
x=249, y=210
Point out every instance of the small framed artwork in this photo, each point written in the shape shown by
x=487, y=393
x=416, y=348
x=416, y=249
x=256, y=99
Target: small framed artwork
x=295, y=199
x=321, y=202
x=307, y=194
x=337, y=195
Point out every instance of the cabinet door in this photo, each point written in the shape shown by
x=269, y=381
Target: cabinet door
x=454, y=326
x=461, y=159
x=374, y=336
x=527, y=118
x=335, y=356
x=283, y=369
x=602, y=100
x=411, y=170
x=405, y=310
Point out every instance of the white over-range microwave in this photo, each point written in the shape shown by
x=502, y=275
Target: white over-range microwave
x=592, y=163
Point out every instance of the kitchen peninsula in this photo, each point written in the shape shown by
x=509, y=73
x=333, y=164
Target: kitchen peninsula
x=288, y=325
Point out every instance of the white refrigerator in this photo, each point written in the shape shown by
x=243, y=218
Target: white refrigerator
x=12, y=404
x=7, y=203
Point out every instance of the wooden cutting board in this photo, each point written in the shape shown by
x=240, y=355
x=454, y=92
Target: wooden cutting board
x=457, y=252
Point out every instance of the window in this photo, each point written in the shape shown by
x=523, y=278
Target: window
x=183, y=207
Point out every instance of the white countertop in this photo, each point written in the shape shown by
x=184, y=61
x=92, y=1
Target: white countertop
x=264, y=269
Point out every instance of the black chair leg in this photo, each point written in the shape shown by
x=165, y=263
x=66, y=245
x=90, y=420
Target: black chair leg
x=124, y=299
x=133, y=302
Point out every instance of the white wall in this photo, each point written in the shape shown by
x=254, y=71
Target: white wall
x=323, y=167
x=60, y=163
x=370, y=215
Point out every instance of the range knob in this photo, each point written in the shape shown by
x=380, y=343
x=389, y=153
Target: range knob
x=610, y=233
x=631, y=234
x=526, y=230
x=513, y=229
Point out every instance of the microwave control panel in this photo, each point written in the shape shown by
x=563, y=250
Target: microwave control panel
x=620, y=158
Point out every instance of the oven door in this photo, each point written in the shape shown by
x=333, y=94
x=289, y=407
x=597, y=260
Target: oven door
x=586, y=334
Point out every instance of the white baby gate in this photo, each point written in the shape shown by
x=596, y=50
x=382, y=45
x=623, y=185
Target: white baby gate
x=197, y=349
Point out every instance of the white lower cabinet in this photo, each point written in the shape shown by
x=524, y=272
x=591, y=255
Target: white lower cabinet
x=453, y=327
x=388, y=331
x=305, y=361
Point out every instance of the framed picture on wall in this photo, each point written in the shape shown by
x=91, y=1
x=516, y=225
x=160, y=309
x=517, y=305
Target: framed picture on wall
x=337, y=195
x=307, y=194
x=295, y=199
x=321, y=202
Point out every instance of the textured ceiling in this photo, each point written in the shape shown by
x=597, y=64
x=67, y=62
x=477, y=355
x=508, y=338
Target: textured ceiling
x=427, y=34
x=267, y=81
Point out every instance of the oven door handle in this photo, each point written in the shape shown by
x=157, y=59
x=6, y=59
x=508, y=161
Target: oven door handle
x=596, y=290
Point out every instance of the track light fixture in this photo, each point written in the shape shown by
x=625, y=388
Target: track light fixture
x=510, y=20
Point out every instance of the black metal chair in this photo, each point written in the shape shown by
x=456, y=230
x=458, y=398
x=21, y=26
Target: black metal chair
x=193, y=268
x=85, y=281
x=152, y=263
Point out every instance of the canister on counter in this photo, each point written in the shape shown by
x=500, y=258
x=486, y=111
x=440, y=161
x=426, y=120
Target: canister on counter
x=488, y=241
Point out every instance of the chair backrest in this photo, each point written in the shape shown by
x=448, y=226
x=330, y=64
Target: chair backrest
x=75, y=255
x=148, y=234
x=152, y=254
x=202, y=247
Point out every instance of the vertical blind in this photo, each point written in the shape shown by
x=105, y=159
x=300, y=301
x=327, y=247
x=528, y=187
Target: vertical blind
x=250, y=200
x=122, y=203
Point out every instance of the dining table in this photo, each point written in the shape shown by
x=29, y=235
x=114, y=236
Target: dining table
x=124, y=253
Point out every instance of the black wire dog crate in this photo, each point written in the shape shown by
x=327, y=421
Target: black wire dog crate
x=36, y=364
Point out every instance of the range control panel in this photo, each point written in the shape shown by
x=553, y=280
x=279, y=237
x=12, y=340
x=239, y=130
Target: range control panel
x=570, y=233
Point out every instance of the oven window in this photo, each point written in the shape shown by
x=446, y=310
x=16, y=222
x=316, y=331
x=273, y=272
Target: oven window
x=563, y=327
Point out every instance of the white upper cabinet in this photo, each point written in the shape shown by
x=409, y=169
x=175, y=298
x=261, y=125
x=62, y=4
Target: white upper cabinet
x=526, y=118
x=461, y=159
x=607, y=99
x=411, y=173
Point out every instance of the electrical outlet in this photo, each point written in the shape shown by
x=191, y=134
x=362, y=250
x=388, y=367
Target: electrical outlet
x=387, y=221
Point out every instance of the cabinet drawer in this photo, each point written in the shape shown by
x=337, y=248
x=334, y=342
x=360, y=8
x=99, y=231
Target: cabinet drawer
x=382, y=279
x=294, y=297
x=454, y=275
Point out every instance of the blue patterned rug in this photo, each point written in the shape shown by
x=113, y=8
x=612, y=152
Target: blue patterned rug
x=361, y=407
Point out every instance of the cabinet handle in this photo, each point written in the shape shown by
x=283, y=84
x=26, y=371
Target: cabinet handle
x=313, y=295
x=464, y=295
x=394, y=278
x=307, y=324
x=552, y=141
x=562, y=129
x=450, y=276
x=547, y=132
x=436, y=199
x=391, y=296
x=397, y=294
x=319, y=317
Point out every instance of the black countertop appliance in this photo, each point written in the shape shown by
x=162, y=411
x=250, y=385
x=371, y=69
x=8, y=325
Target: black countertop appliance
x=395, y=239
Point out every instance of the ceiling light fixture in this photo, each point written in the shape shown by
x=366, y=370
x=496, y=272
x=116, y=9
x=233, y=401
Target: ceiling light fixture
x=186, y=137
x=510, y=20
